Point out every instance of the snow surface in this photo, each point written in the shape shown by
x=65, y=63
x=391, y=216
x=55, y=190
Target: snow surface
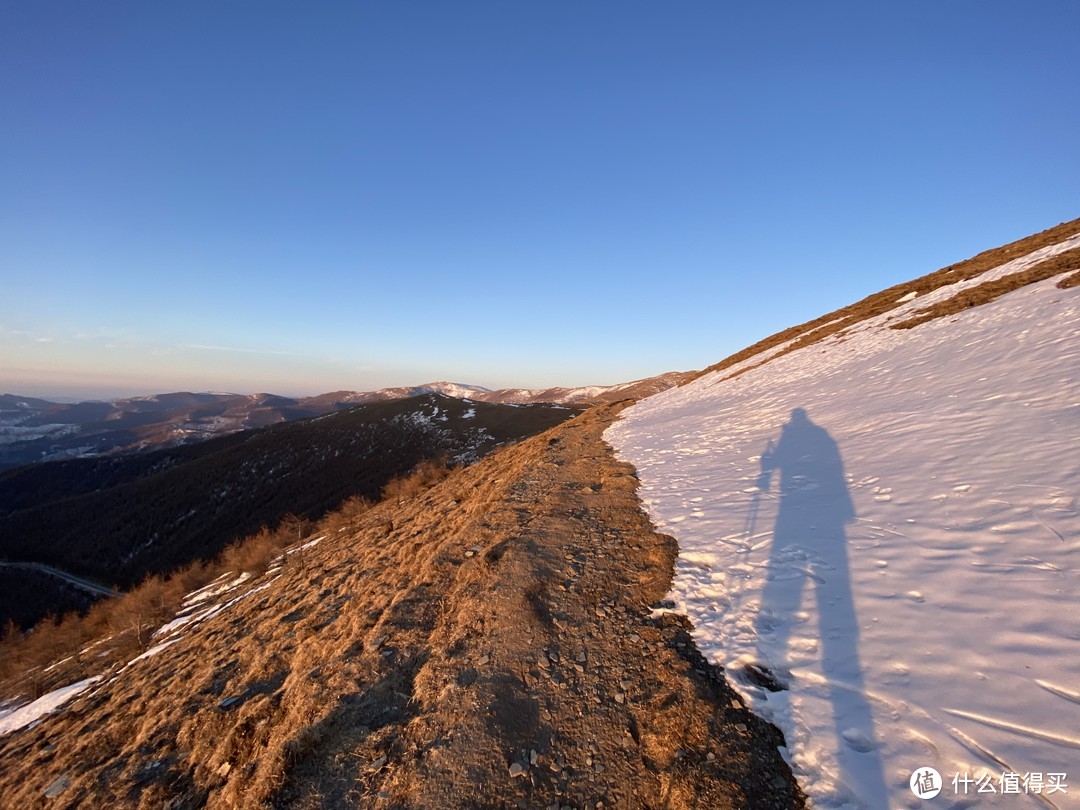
x=305, y=546
x=222, y=584
x=150, y=653
x=910, y=564
x=10, y=433
x=459, y=390
x=15, y=719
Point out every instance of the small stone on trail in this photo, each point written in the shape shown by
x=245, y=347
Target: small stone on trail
x=483, y=659
x=517, y=769
x=619, y=697
x=377, y=764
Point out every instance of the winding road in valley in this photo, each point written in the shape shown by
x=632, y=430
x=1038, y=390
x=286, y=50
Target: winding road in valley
x=78, y=582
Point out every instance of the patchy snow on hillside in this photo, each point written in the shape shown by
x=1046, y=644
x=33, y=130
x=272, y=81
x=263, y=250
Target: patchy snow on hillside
x=197, y=607
x=16, y=432
x=887, y=526
x=23, y=716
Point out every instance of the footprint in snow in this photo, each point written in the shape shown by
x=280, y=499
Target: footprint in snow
x=858, y=740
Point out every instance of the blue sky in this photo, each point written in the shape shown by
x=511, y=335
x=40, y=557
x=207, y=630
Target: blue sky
x=309, y=197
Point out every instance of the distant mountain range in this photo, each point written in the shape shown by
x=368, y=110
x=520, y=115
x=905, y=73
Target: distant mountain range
x=33, y=430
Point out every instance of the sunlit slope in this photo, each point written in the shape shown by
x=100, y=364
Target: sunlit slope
x=879, y=532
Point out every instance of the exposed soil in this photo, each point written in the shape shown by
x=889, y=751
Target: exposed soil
x=488, y=643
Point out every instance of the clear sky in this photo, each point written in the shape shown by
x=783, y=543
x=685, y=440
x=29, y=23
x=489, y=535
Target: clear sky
x=305, y=197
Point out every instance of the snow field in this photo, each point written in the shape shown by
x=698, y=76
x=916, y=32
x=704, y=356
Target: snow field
x=939, y=624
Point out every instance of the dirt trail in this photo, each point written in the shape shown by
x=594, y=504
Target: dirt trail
x=488, y=643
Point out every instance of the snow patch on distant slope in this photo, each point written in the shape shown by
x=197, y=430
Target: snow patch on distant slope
x=459, y=390
x=942, y=633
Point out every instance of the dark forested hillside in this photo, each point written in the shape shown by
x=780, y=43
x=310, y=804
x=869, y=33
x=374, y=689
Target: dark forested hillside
x=114, y=520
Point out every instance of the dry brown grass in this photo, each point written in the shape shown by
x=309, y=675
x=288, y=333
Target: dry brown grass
x=59, y=650
x=987, y=291
x=1069, y=281
x=128, y=622
x=347, y=514
x=120, y=627
x=253, y=554
x=423, y=476
x=141, y=611
x=879, y=303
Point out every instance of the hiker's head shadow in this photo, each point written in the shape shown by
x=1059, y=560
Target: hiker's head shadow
x=811, y=471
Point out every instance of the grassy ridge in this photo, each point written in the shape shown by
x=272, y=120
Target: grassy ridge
x=811, y=332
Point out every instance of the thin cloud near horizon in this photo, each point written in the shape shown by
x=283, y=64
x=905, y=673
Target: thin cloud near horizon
x=207, y=347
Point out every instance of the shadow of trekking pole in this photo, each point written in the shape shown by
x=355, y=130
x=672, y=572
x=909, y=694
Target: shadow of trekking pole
x=808, y=577
x=755, y=504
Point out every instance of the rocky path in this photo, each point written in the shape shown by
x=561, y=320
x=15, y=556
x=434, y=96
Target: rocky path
x=488, y=643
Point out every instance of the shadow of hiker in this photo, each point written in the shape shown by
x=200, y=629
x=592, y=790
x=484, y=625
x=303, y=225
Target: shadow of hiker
x=809, y=547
